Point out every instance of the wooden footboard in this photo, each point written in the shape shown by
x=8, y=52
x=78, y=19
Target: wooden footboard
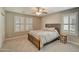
x=35, y=41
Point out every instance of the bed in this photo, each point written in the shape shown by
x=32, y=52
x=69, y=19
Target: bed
x=40, y=38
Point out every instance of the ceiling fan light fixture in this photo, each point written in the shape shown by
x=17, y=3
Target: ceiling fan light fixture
x=39, y=11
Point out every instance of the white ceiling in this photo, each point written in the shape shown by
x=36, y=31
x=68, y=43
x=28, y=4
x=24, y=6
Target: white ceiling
x=28, y=10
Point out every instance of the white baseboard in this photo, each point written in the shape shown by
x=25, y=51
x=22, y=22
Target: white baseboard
x=74, y=43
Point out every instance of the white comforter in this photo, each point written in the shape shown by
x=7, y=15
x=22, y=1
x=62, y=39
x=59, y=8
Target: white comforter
x=45, y=36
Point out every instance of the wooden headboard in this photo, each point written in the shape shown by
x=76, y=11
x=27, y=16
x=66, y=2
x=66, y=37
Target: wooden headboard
x=57, y=26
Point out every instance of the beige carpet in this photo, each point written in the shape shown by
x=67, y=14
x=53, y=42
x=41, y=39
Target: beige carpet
x=21, y=44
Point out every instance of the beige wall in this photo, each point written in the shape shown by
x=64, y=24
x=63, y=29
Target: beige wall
x=51, y=19
x=10, y=24
x=36, y=23
x=2, y=28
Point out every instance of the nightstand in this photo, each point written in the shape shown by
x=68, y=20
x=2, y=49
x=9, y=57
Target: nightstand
x=63, y=38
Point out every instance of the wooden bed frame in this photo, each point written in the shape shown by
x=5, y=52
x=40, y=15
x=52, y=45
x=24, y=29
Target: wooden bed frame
x=36, y=41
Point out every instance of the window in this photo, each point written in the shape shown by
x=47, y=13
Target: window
x=22, y=23
x=18, y=24
x=28, y=23
x=65, y=23
x=70, y=23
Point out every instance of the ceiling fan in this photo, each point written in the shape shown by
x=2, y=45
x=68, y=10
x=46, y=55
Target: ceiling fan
x=39, y=11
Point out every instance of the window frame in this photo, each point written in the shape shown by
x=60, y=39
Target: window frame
x=27, y=24
x=69, y=23
x=19, y=23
